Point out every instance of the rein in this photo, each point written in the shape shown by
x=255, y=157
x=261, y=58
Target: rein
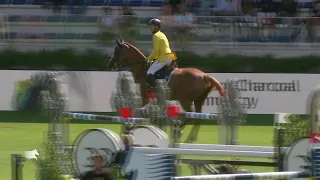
x=126, y=64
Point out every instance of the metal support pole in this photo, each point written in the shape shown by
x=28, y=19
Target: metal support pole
x=313, y=106
x=16, y=166
x=231, y=114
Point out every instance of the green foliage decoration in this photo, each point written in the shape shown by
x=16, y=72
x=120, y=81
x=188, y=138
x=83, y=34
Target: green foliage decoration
x=295, y=128
x=48, y=163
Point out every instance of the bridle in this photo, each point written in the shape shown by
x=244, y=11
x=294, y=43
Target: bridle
x=126, y=65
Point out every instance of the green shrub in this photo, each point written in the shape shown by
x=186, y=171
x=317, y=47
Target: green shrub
x=48, y=162
x=296, y=128
x=67, y=59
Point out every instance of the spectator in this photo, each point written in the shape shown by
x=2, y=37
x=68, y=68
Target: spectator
x=314, y=21
x=57, y=5
x=193, y=5
x=247, y=9
x=167, y=21
x=126, y=10
x=316, y=9
x=128, y=24
x=186, y=26
x=227, y=7
x=98, y=171
x=174, y=4
x=107, y=26
x=54, y=4
x=288, y=8
x=166, y=13
x=127, y=140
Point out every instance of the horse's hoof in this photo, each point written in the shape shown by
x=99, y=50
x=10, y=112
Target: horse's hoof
x=180, y=133
x=193, y=139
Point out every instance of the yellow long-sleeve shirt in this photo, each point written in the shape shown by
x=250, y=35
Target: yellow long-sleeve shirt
x=161, y=48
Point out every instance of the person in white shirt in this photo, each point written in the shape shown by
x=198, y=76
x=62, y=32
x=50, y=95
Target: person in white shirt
x=167, y=20
x=107, y=19
x=186, y=25
x=107, y=26
x=184, y=16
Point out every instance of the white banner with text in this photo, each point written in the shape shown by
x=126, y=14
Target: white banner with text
x=261, y=93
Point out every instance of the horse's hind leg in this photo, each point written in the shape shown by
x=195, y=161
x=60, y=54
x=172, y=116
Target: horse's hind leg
x=186, y=105
x=198, y=108
x=200, y=101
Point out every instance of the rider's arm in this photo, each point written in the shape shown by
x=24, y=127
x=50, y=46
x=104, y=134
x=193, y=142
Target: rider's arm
x=155, y=51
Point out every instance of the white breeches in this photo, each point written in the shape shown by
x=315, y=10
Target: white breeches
x=156, y=66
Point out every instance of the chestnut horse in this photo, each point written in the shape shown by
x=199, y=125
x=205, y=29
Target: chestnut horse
x=187, y=85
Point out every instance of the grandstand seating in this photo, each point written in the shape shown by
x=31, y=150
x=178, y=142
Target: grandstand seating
x=151, y=3
x=238, y=29
x=77, y=27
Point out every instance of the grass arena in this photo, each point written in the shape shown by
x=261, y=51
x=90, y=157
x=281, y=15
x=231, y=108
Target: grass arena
x=27, y=136
x=21, y=137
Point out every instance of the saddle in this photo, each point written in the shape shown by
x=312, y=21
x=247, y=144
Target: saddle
x=164, y=72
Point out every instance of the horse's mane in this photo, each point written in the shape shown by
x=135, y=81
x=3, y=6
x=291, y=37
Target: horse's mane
x=130, y=45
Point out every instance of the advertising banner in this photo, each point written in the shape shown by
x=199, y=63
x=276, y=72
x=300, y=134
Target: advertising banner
x=269, y=93
x=87, y=91
x=91, y=91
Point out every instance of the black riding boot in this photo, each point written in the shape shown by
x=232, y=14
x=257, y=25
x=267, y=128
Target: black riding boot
x=151, y=80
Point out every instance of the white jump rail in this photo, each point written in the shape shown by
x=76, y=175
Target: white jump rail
x=266, y=175
x=195, y=115
x=106, y=118
x=203, y=152
x=227, y=147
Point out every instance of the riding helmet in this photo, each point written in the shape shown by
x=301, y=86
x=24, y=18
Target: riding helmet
x=155, y=22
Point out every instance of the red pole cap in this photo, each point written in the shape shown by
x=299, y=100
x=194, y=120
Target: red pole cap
x=314, y=137
x=125, y=112
x=173, y=111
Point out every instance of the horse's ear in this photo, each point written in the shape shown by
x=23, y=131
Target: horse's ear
x=118, y=42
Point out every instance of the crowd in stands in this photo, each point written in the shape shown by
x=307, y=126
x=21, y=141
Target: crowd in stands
x=181, y=19
x=204, y=20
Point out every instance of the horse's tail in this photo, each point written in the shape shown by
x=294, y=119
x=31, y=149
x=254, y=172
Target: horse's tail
x=212, y=83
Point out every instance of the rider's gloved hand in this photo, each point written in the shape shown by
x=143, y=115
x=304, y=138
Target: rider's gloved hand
x=150, y=61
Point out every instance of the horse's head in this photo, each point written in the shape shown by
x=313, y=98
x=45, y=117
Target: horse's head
x=125, y=55
x=119, y=57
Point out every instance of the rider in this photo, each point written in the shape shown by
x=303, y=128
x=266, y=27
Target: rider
x=161, y=53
